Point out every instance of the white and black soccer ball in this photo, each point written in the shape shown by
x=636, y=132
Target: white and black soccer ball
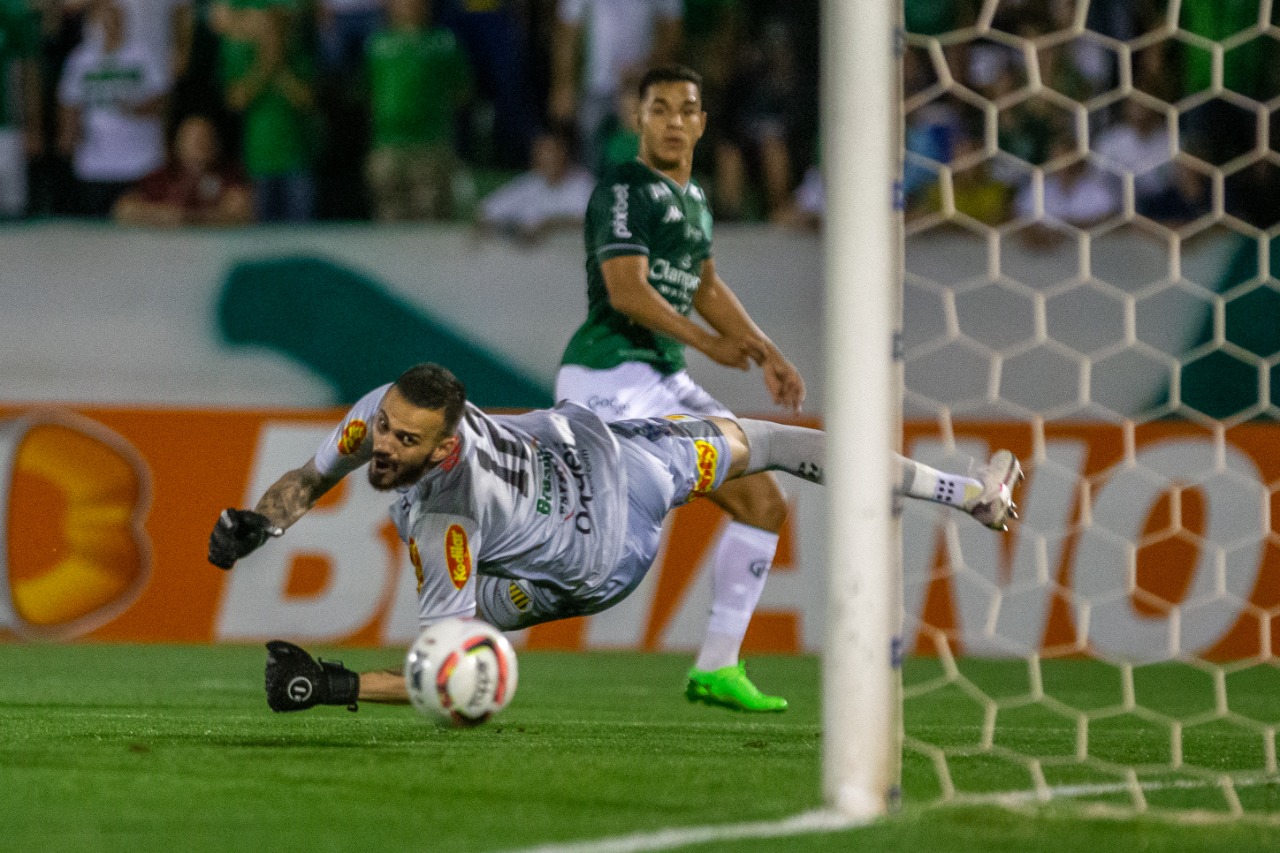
x=460, y=672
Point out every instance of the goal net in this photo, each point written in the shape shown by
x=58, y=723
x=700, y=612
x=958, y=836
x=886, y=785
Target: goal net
x=1092, y=194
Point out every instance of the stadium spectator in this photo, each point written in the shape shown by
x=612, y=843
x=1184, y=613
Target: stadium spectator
x=343, y=30
x=552, y=195
x=618, y=139
x=715, y=33
x=496, y=39
x=1075, y=194
x=620, y=37
x=808, y=202
x=488, y=541
x=976, y=192
x=21, y=114
x=165, y=27
x=196, y=187
x=931, y=133
x=1214, y=130
x=418, y=77
x=111, y=110
x=1140, y=144
x=267, y=80
x=761, y=116
x=1025, y=130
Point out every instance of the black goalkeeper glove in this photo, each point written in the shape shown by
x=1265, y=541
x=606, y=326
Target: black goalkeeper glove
x=296, y=682
x=238, y=533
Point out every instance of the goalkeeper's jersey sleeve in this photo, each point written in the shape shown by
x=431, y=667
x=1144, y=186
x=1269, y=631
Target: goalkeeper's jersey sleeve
x=350, y=445
x=635, y=210
x=538, y=497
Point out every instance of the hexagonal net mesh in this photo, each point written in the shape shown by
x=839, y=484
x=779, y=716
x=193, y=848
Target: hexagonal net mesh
x=1092, y=198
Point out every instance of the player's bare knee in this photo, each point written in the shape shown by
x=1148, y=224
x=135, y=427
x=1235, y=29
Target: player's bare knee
x=739, y=450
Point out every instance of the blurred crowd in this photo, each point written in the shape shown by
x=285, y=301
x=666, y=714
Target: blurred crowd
x=1171, y=153
x=169, y=112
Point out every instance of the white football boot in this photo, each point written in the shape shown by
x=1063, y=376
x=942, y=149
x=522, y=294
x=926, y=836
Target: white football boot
x=993, y=505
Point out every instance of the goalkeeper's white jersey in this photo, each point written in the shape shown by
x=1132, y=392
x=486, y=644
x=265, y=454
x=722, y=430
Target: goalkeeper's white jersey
x=539, y=497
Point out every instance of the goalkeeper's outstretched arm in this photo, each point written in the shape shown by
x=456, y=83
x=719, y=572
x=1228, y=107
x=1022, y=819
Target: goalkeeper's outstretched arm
x=294, y=494
x=240, y=532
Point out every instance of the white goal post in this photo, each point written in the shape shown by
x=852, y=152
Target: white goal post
x=1088, y=269
x=862, y=705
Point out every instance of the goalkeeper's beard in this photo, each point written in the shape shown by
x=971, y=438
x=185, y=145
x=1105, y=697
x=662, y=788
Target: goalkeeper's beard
x=386, y=474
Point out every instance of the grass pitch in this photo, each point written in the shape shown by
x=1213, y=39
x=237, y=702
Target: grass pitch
x=142, y=748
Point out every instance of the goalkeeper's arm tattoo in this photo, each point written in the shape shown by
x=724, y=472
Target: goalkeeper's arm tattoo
x=290, y=497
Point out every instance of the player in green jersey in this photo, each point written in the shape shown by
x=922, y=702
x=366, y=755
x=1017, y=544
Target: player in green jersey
x=649, y=267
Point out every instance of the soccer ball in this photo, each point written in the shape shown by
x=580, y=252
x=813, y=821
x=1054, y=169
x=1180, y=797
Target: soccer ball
x=460, y=672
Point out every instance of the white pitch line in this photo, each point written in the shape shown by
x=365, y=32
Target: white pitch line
x=826, y=821
x=1021, y=798
x=666, y=839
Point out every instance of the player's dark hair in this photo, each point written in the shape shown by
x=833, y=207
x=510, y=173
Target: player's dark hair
x=669, y=74
x=430, y=386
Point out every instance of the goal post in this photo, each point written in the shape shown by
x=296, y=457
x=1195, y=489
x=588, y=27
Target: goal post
x=862, y=239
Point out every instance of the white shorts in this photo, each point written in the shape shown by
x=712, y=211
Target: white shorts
x=636, y=390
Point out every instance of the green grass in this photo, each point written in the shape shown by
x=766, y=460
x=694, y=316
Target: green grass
x=141, y=748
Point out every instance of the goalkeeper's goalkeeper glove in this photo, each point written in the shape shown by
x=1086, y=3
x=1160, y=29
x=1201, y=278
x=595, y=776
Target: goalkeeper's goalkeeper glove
x=295, y=681
x=238, y=533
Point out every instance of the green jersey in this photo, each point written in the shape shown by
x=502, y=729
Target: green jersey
x=278, y=136
x=417, y=79
x=19, y=40
x=636, y=210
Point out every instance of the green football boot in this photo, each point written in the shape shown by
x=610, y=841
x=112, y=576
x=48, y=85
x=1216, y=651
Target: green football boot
x=730, y=688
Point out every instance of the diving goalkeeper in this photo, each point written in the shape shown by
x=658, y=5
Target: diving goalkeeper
x=522, y=519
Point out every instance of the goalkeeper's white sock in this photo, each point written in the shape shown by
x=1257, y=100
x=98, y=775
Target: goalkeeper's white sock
x=741, y=566
x=920, y=481
x=799, y=451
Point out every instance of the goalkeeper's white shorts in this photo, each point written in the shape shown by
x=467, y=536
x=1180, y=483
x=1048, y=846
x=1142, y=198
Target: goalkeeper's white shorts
x=666, y=464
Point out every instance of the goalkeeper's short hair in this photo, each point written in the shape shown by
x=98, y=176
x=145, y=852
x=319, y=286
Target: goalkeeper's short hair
x=430, y=386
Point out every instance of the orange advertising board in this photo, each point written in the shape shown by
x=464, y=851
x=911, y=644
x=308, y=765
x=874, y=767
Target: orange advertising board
x=1132, y=540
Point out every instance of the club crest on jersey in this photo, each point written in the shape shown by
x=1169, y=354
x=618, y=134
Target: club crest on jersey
x=457, y=556
x=416, y=559
x=352, y=437
x=673, y=214
x=708, y=461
